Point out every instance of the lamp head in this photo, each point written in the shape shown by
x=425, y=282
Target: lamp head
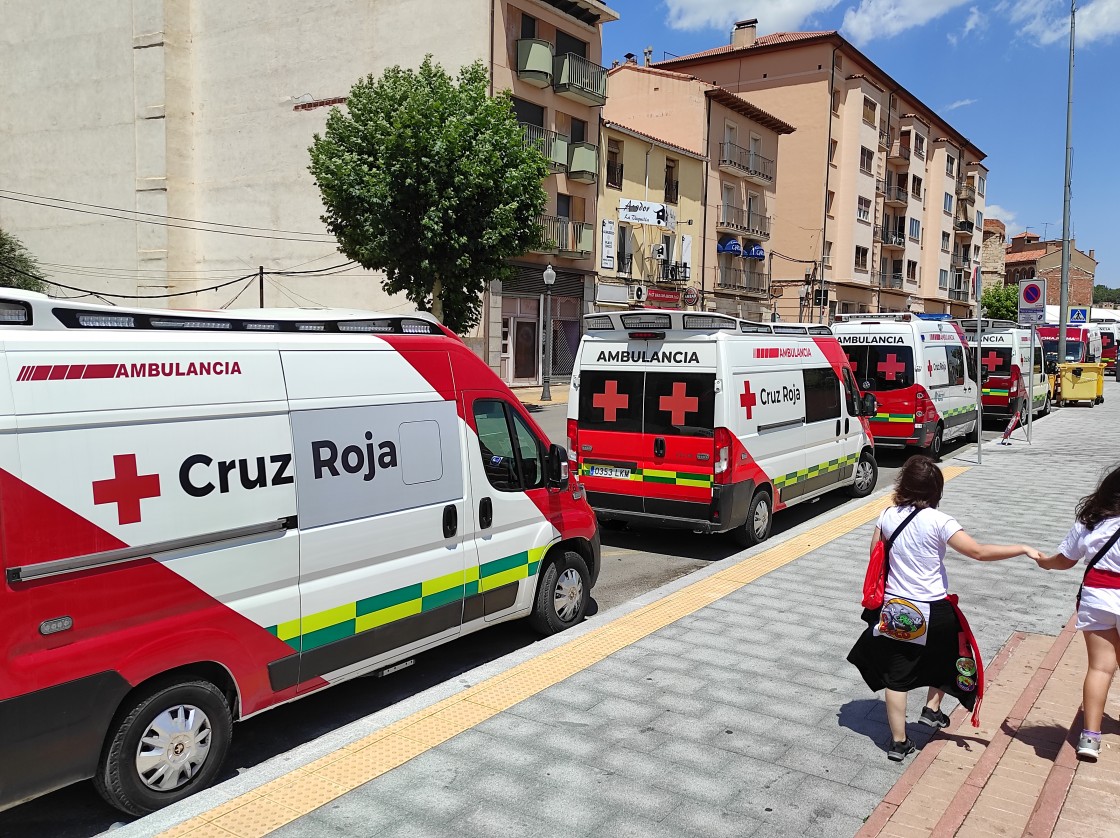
x=549, y=275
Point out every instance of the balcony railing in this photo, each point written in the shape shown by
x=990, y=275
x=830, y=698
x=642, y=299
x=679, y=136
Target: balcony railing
x=891, y=238
x=880, y=187
x=535, y=62
x=552, y=145
x=884, y=138
x=583, y=162
x=577, y=78
x=562, y=236
x=742, y=279
x=958, y=294
x=735, y=159
x=672, y=191
x=740, y=220
x=625, y=264
x=888, y=279
x=899, y=153
x=614, y=174
x=960, y=262
x=893, y=194
x=673, y=272
x=966, y=192
x=964, y=227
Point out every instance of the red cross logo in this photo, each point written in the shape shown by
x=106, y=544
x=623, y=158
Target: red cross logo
x=679, y=404
x=126, y=488
x=891, y=367
x=929, y=368
x=991, y=360
x=748, y=400
x=611, y=401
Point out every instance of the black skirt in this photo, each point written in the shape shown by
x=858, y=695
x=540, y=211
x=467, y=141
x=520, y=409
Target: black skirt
x=886, y=663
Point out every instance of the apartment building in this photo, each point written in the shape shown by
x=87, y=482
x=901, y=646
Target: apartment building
x=738, y=142
x=882, y=200
x=205, y=110
x=1028, y=257
x=650, y=213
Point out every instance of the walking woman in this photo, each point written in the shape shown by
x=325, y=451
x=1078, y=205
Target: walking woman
x=1094, y=538
x=917, y=638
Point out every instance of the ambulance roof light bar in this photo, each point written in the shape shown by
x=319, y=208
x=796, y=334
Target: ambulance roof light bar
x=877, y=317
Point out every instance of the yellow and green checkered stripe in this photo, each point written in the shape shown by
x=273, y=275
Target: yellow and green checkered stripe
x=996, y=391
x=814, y=471
x=343, y=621
x=893, y=417
x=653, y=475
x=957, y=411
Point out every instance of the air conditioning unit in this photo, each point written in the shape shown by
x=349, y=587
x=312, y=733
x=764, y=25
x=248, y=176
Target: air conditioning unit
x=636, y=293
x=657, y=251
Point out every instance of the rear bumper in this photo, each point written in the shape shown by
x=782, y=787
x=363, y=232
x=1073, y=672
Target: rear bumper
x=726, y=510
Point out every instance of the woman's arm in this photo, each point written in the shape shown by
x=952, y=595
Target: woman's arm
x=966, y=545
x=1056, y=562
x=876, y=537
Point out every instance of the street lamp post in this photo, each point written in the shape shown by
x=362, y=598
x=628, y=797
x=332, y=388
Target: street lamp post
x=549, y=277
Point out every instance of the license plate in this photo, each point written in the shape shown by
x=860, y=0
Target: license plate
x=610, y=471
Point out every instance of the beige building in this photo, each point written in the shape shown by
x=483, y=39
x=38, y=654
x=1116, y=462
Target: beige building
x=739, y=199
x=1028, y=257
x=992, y=253
x=205, y=110
x=880, y=196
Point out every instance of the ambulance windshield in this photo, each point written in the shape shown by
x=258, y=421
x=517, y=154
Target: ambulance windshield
x=880, y=367
x=1074, y=350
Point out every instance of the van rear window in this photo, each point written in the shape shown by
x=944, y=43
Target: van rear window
x=680, y=404
x=611, y=401
x=996, y=360
x=880, y=367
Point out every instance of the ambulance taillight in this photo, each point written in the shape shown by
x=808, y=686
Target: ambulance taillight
x=573, y=440
x=723, y=455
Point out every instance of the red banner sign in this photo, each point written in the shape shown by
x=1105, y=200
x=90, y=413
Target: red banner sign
x=661, y=296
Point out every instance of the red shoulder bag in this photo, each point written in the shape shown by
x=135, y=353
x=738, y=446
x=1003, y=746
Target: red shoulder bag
x=875, y=580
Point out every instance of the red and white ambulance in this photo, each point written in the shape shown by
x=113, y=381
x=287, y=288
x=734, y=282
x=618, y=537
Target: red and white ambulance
x=1006, y=369
x=921, y=373
x=1110, y=333
x=1084, y=344
x=206, y=515
x=709, y=423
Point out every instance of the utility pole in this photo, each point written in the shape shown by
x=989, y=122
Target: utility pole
x=260, y=284
x=1064, y=300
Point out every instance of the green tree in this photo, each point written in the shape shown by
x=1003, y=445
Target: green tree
x=18, y=268
x=1104, y=294
x=1001, y=302
x=428, y=179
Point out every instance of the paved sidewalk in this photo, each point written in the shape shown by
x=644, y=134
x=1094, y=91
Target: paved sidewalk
x=722, y=703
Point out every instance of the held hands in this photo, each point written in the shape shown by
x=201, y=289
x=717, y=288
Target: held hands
x=1034, y=555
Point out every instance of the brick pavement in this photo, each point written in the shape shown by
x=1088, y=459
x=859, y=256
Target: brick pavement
x=722, y=704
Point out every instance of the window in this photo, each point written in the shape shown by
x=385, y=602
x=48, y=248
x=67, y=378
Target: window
x=528, y=113
x=869, y=110
x=916, y=187
x=955, y=356
x=915, y=229
x=822, y=395
x=882, y=367
x=950, y=165
x=943, y=280
x=947, y=204
x=981, y=185
x=528, y=26
x=611, y=401
x=980, y=221
x=828, y=202
x=832, y=144
x=565, y=43
x=512, y=456
x=944, y=241
x=911, y=270
x=861, y=258
x=863, y=209
x=827, y=254
x=838, y=61
x=836, y=99
x=667, y=246
x=920, y=145
x=625, y=252
x=563, y=205
x=672, y=184
x=976, y=252
x=851, y=392
x=866, y=159
x=579, y=130
x=614, y=164
x=679, y=404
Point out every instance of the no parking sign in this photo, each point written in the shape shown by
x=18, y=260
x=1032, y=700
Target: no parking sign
x=1032, y=300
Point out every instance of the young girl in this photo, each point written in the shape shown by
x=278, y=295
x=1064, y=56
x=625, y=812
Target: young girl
x=1095, y=537
x=915, y=640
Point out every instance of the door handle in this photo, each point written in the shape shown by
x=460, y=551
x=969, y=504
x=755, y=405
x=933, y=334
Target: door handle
x=837, y=427
x=847, y=425
x=485, y=513
x=450, y=520
x=658, y=447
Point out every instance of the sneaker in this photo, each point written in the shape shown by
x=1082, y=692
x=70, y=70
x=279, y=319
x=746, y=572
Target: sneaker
x=900, y=750
x=933, y=718
x=1089, y=746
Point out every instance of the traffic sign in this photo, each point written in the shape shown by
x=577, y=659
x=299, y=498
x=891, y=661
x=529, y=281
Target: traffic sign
x=1032, y=300
x=1078, y=316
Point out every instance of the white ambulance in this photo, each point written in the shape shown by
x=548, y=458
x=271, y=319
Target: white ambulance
x=709, y=423
x=205, y=515
x=921, y=373
x=1006, y=369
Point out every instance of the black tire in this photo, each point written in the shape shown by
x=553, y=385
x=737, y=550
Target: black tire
x=933, y=450
x=760, y=517
x=863, y=485
x=1046, y=406
x=118, y=778
x=562, y=594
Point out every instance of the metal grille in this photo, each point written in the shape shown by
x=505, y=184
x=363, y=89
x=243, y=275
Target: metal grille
x=565, y=340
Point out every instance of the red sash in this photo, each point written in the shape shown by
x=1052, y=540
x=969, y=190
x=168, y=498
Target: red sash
x=1100, y=578
x=968, y=638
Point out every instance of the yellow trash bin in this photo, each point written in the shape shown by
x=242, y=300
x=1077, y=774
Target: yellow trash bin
x=1081, y=383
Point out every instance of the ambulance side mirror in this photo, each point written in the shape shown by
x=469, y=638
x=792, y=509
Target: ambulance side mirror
x=557, y=467
x=868, y=406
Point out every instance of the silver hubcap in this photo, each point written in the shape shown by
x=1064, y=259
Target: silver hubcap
x=863, y=475
x=568, y=598
x=761, y=517
x=173, y=748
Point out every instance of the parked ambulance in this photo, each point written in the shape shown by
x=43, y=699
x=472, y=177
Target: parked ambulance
x=1110, y=332
x=1083, y=344
x=1006, y=369
x=921, y=373
x=206, y=515
x=709, y=423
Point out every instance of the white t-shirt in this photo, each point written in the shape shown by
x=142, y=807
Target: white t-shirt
x=1081, y=544
x=917, y=556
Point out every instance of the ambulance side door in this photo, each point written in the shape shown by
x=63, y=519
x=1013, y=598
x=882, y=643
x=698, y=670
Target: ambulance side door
x=824, y=427
x=771, y=425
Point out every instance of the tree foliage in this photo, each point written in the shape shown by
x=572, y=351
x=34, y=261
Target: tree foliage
x=1001, y=302
x=1104, y=294
x=18, y=268
x=428, y=179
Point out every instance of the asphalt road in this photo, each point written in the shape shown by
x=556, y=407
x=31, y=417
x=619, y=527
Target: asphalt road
x=635, y=560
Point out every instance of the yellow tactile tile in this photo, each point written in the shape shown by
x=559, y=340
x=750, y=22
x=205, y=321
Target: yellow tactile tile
x=257, y=817
x=362, y=766
x=199, y=829
x=309, y=792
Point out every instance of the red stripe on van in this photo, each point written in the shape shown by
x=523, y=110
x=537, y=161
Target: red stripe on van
x=100, y=371
x=58, y=371
x=39, y=373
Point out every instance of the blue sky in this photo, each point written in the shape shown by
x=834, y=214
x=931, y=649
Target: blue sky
x=996, y=69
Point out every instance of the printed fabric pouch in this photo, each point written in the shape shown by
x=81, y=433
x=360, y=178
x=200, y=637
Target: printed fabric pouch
x=903, y=619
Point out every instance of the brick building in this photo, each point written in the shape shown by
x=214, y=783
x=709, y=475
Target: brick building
x=992, y=253
x=1028, y=257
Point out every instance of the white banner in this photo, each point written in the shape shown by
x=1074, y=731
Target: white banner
x=644, y=212
x=607, y=260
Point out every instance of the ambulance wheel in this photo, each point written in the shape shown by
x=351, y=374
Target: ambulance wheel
x=756, y=528
x=866, y=476
x=933, y=450
x=1046, y=406
x=563, y=594
x=167, y=744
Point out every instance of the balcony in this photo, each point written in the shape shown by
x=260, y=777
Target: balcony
x=887, y=279
x=892, y=238
x=960, y=262
x=884, y=138
x=534, y=62
x=893, y=195
x=580, y=80
x=963, y=228
x=734, y=219
x=672, y=191
x=673, y=272
x=552, y=145
x=567, y=238
x=614, y=174
x=583, y=162
x=965, y=192
x=741, y=279
x=958, y=294
x=736, y=160
x=625, y=264
x=880, y=187
x=899, y=153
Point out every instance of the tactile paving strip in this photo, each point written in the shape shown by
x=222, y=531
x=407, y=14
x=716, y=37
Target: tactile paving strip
x=281, y=801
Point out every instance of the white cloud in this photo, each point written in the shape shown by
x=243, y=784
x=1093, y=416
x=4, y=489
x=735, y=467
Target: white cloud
x=975, y=22
x=960, y=103
x=1007, y=216
x=777, y=16
x=887, y=18
x=1098, y=21
x=1047, y=21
